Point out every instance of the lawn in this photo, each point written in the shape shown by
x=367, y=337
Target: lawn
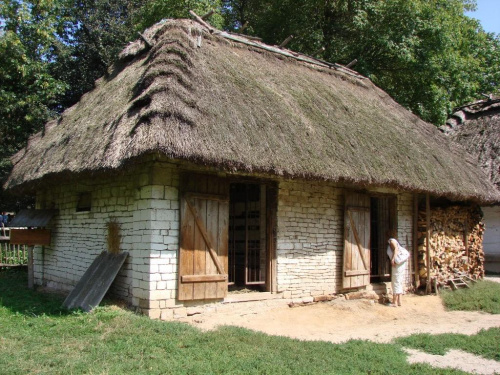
x=482, y=296
x=37, y=336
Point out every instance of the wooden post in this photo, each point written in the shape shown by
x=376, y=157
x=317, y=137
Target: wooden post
x=415, y=239
x=207, y=15
x=31, y=271
x=200, y=21
x=428, y=286
x=286, y=41
x=352, y=63
x=321, y=50
x=466, y=239
x=242, y=28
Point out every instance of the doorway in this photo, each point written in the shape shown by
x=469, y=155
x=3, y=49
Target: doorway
x=248, y=248
x=382, y=218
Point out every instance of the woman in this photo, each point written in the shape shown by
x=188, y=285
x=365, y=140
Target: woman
x=398, y=270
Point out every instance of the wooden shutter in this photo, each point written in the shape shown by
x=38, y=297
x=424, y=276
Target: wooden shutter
x=356, y=270
x=204, y=239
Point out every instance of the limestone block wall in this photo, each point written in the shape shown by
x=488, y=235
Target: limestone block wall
x=491, y=240
x=405, y=219
x=144, y=201
x=309, y=238
x=158, y=210
x=79, y=237
x=405, y=233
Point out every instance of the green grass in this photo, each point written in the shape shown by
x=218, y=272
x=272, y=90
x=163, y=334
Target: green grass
x=485, y=344
x=481, y=296
x=37, y=336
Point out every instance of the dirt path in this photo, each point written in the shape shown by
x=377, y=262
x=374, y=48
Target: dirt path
x=340, y=320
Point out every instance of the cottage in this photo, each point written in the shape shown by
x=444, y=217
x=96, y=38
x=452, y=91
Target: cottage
x=476, y=127
x=227, y=164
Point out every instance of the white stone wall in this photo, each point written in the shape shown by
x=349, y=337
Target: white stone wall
x=491, y=240
x=159, y=211
x=79, y=237
x=145, y=203
x=309, y=238
x=405, y=232
x=405, y=219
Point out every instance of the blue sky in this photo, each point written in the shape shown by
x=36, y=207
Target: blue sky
x=488, y=12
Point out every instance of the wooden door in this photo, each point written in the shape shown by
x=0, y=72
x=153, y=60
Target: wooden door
x=356, y=268
x=204, y=238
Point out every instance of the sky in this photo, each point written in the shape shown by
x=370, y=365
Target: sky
x=488, y=12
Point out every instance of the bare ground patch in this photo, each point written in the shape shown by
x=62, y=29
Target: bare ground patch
x=340, y=320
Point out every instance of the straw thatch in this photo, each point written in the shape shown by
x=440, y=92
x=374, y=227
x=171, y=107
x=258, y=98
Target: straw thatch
x=221, y=100
x=476, y=127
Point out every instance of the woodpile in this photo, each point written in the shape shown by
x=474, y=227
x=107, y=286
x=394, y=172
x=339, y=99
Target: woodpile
x=456, y=244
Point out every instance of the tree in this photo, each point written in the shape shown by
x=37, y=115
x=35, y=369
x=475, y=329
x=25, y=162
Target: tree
x=426, y=54
x=94, y=33
x=28, y=91
x=156, y=10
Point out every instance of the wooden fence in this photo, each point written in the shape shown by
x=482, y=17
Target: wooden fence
x=12, y=255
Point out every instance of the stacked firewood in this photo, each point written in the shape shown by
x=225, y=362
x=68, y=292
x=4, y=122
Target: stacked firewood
x=456, y=244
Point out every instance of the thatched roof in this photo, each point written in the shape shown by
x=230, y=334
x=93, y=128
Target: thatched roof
x=221, y=100
x=476, y=127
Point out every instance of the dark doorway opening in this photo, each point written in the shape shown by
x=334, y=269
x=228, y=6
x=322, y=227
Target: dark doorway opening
x=248, y=239
x=382, y=219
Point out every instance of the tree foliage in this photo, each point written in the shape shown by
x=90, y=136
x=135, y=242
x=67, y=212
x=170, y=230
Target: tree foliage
x=426, y=53
x=155, y=10
x=94, y=34
x=28, y=90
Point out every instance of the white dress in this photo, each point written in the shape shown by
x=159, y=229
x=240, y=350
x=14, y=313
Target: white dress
x=398, y=271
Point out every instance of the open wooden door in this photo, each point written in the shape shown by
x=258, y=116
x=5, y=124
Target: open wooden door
x=356, y=269
x=204, y=238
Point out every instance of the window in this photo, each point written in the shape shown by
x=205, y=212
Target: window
x=84, y=202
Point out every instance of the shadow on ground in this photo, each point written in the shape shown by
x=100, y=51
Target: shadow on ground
x=15, y=296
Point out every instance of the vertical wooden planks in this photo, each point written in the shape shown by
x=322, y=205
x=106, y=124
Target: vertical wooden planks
x=203, y=250
x=200, y=250
x=222, y=234
x=356, y=270
x=186, y=253
x=211, y=220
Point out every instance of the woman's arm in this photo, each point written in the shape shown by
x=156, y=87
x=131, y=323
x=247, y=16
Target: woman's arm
x=394, y=246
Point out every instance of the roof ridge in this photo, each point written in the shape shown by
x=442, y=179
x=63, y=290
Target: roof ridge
x=255, y=42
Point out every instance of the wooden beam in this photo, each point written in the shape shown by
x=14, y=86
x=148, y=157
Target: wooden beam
x=201, y=21
x=352, y=63
x=206, y=196
x=30, y=236
x=286, y=41
x=249, y=37
x=203, y=278
x=242, y=28
x=357, y=272
x=321, y=50
x=415, y=239
x=31, y=271
x=466, y=239
x=207, y=15
x=428, y=287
